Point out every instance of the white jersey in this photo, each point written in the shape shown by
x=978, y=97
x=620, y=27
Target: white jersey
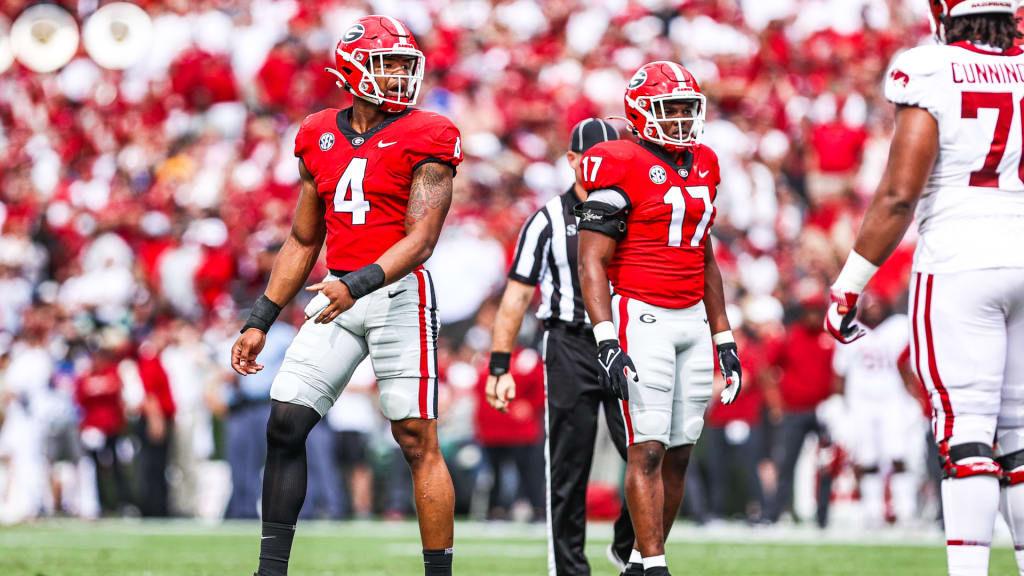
x=869, y=364
x=971, y=215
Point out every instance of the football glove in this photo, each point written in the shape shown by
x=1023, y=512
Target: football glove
x=616, y=369
x=729, y=362
x=841, y=318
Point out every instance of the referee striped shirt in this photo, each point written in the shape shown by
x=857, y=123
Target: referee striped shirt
x=547, y=255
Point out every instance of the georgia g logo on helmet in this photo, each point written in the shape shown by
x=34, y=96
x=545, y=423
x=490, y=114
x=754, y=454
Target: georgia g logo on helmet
x=365, y=60
x=354, y=33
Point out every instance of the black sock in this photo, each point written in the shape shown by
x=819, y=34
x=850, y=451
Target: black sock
x=437, y=562
x=275, y=548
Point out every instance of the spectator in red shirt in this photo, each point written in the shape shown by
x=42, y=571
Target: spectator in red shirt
x=515, y=437
x=98, y=394
x=735, y=438
x=802, y=380
x=155, y=422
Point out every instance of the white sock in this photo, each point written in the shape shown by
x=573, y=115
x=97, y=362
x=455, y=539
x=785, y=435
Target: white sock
x=1012, y=504
x=872, y=499
x=635, y=557
x=903, y=489
x=969, y=507
x=654, y=562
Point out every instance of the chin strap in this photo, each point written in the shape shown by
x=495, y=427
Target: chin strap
x=950, y=457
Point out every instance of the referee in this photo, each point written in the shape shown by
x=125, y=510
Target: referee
x=546, y=255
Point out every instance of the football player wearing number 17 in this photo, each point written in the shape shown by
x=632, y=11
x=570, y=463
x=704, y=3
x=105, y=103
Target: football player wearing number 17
x=956, y=158
x=377, y=182
x=644, y=227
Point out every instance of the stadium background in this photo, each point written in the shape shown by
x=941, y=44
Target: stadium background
x=141, y=210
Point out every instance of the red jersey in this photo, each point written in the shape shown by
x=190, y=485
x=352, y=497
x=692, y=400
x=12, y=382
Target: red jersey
x=670, y=207
x=364, y=178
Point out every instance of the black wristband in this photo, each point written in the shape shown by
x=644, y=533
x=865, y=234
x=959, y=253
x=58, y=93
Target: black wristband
x=262, y=315
x=499, y=363
x=363, y=281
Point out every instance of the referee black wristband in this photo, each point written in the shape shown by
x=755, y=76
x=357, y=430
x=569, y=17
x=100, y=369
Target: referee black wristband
x=363, y=281
x=499, y=363
x=262, y=315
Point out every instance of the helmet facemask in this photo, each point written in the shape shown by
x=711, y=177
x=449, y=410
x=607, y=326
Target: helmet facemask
x=374, y=67
x=673, y=120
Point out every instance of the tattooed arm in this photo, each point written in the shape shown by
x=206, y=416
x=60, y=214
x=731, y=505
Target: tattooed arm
x=429, y=200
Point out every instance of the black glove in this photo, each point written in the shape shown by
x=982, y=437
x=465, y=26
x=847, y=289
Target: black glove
x=616, y=369
x=729, y=362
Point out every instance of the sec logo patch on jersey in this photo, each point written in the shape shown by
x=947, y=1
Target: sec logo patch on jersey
x=657, y=174
x=326, y=141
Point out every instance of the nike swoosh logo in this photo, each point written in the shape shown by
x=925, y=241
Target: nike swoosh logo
x=265, y=537
x=383, y=144
x=703, y=174
x=396, y=293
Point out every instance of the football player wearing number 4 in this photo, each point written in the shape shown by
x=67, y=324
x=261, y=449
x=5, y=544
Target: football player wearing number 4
x=956, y=158
x=644, y=227
x=377, y=182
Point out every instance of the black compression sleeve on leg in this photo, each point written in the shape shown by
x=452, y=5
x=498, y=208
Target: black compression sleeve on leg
x=437, y=562
x=284, y=480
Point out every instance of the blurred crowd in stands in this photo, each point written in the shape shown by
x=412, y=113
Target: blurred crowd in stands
x=141, y=212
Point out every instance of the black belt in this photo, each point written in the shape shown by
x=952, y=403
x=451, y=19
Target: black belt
x=570, y=327
x=338, y=273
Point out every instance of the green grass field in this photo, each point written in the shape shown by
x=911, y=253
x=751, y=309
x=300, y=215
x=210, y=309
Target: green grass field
x=366, y=548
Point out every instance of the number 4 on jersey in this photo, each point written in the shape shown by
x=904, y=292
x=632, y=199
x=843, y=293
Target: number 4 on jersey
x=352, y=180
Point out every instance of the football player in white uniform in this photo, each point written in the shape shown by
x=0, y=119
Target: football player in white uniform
x=956, y=158
x=886, y=418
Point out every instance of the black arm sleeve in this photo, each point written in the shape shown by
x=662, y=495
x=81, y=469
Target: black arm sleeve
x=603, y=217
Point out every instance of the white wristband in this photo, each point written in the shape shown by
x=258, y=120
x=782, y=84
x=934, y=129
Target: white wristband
x=724, y=337
x=855, y=275
x=604, y=331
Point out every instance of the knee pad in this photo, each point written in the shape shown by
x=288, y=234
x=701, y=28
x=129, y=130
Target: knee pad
x=652, y=425
x=951, y=456
x=289, y=424
x=1013, y=467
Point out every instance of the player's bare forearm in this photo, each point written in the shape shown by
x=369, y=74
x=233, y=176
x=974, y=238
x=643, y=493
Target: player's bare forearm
x=912, y=153
x=430, y=197
x=514, y=302
x=301, y=249
x=714, y=293
x=595, y=252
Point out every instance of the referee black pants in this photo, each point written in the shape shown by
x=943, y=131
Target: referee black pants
x=573, y=402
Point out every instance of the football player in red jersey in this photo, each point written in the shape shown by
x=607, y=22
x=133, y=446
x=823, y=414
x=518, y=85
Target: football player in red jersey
x=377, y=182
x=644, y=227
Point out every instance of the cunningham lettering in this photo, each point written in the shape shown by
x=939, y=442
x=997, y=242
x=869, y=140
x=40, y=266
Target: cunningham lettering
x=972, y=73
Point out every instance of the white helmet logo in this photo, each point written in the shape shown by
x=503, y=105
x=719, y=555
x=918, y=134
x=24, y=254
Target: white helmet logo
x=326, y=141
x=657, y=174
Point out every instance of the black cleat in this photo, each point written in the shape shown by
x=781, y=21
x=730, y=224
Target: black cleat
x=657, y=571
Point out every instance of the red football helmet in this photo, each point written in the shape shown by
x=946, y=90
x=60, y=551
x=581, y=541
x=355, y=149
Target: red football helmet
x=651, y=87
x=360, y=59
x=954, y=8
